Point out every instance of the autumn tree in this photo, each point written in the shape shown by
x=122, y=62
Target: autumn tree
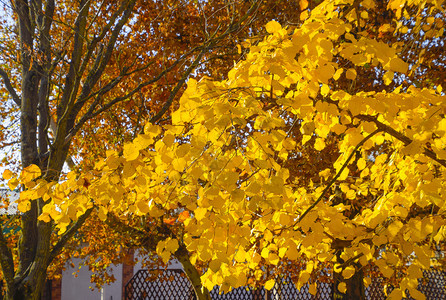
x=292, y=162
x=312, y=155
x=64, y=66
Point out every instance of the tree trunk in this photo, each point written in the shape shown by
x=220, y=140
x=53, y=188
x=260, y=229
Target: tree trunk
x=27, y=290
x=192, y=274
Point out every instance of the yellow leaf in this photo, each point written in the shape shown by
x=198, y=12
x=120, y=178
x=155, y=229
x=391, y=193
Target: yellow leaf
x=182, y=150
x=13, y=183
x=394, y=228
x=165, y=256
x=386, y=270
x=325, y=173
x=292, y=253
x=265, y=252
x=423, y=257
x=379, y=139
x=303, y=4
x=143, y=206
x=351, y=194
x=312, y=289
x=319, y=144
x=29, y=173
x=398, y=65
x=179, y=164
x=396, y=294
x=151, y=129
x=282, y=252
x=144, y=140
x=172, y=245
x=240, y=256
x=305, y=138
x=344, y=174
x=7, y=174
x=361, y=163
x=131, y=151
x=215, y=265
x=414, y=272
x=200, y=212
x=412, y=149
x=388, y=77
x=416, y=294
x=169, y=139
x=102, y=213
x=273, y=258
x=24, y=206
x=273, y=26
x=44, y=217
x=270, y=284
x=304, y=276
x=337, y=74
x=325, y=89
x=348, y=272
x=342, y=287
x=379, y=240
x=351, y=74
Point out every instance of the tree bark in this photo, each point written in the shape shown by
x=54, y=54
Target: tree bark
x=192, y=274
x=355, y=286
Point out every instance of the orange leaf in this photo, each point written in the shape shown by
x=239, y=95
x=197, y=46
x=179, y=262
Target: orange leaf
x=183, y=216
x=170, y=221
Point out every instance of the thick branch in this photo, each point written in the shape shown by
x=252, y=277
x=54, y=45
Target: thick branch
x=69, y=234
x=72, y=79
x=9, y=87
x=192, y=273
x=401, y=137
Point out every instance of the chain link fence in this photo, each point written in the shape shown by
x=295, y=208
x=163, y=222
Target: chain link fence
x=172, y=284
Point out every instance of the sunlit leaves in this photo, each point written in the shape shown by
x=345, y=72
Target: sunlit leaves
x=166, y=247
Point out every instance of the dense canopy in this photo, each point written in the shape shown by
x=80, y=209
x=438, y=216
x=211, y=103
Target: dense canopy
x=323, y=149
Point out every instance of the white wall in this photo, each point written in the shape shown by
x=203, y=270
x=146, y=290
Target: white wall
x=75, y=288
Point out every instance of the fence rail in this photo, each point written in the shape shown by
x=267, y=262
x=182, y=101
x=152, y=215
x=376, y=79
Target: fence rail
x=172, y=284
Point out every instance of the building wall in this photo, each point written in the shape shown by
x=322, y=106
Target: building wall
x=74, y=288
